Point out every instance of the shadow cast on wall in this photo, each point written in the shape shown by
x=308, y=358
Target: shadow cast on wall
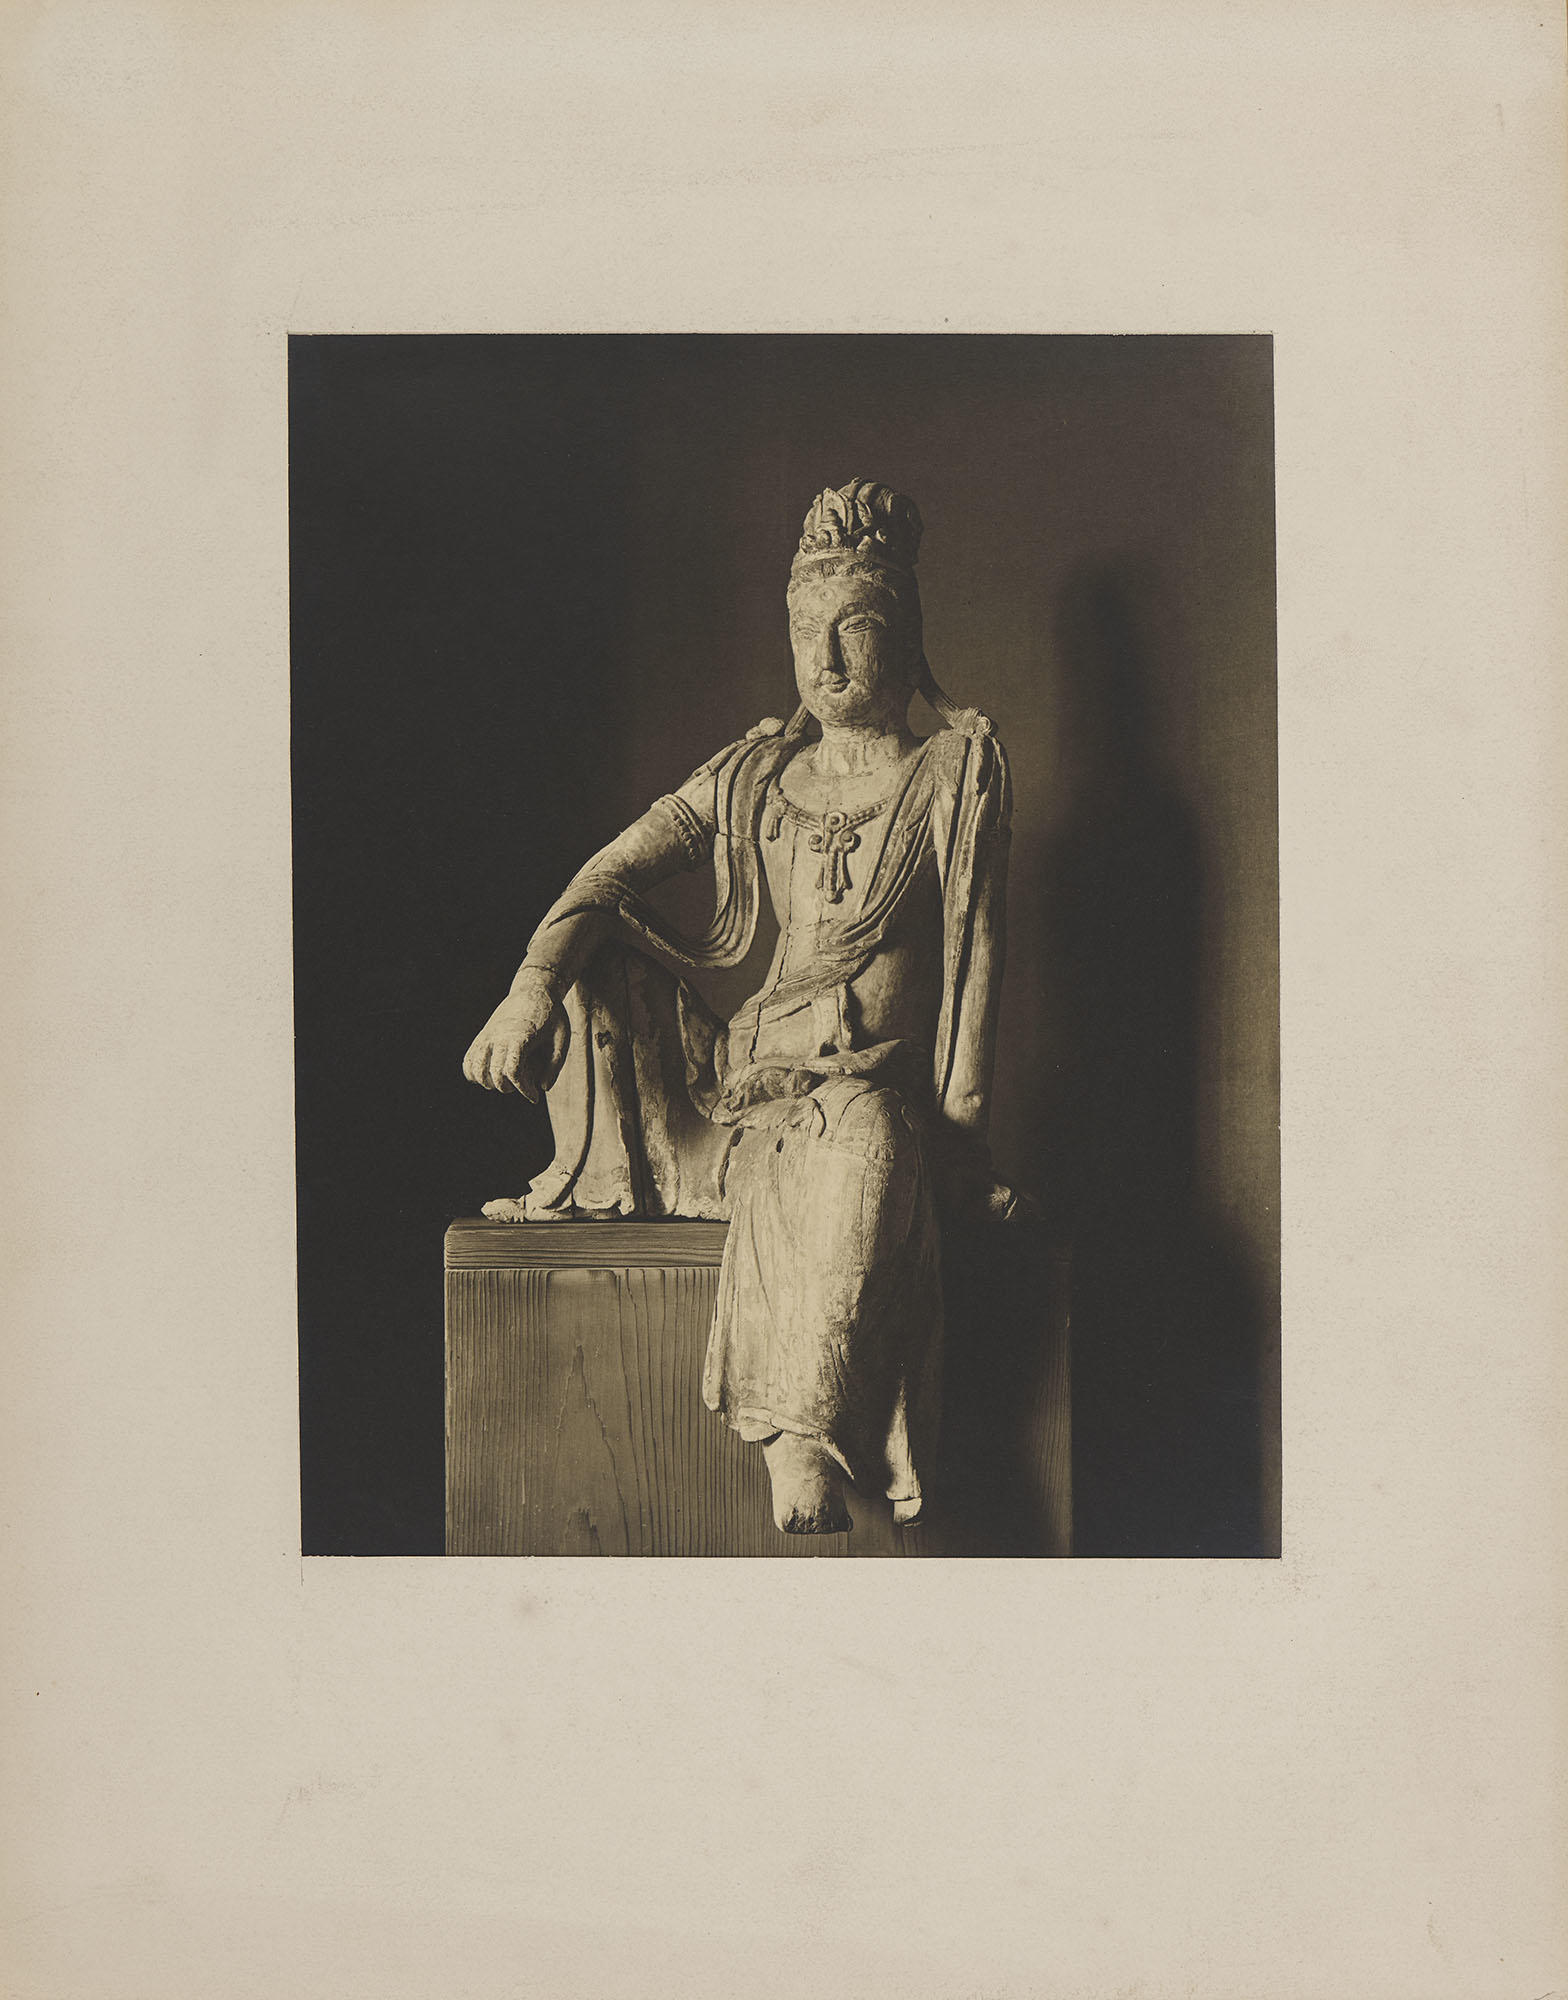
x=1169, y=1311
x=1169, y=1308
x=1005, y=1459
x=499, y=657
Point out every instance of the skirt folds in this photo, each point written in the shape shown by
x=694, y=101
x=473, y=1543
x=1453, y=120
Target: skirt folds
x=829, y=1316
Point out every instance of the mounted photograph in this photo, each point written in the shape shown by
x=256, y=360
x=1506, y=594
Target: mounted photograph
x=786, y=944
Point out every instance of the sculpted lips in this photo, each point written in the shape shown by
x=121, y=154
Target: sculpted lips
x=835, y=683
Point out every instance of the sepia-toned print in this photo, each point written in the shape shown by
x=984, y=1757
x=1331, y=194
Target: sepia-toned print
x=756, y=1282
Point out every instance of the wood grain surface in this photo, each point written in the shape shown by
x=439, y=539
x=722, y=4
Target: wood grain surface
x=575, y=1421
x=473, y=1244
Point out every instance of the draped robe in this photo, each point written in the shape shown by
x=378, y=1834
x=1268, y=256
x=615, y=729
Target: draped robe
x=839, y=1115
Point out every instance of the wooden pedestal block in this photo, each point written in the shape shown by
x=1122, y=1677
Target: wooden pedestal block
x=575, y=1423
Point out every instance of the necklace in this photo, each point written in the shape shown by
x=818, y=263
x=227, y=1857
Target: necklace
x=831, y=834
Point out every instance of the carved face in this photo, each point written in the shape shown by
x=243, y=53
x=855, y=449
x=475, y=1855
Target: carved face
x=857, y=651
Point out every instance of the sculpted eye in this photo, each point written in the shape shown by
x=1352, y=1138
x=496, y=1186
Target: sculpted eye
x=863, y=621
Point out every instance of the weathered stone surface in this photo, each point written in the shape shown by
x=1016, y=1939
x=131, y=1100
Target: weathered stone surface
x=837, y=1120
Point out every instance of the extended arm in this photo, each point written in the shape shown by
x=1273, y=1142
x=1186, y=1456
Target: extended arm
x=974, y=854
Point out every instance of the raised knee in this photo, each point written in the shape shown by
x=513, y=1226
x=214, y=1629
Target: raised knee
x=877, y=1123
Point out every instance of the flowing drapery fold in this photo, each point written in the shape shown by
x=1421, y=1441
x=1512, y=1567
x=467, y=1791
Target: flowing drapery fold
x=833, y=1162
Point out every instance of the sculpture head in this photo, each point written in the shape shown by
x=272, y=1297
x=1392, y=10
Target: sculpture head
x=854, y=607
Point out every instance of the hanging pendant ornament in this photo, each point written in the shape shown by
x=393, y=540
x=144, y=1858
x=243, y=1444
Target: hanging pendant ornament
x=835, y=840
x=833, y=836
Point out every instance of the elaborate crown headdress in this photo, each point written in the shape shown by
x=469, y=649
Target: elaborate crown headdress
x=861, y=521
x=864, y=523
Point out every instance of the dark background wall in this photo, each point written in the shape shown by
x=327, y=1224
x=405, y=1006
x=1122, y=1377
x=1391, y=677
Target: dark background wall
x=536, y=580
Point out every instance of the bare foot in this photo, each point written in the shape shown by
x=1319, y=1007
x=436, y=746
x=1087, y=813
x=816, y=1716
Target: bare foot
x=808, y=1487
x=510, y=1210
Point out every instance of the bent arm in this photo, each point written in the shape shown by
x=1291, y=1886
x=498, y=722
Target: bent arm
x=672, y=836
x=524, y=1043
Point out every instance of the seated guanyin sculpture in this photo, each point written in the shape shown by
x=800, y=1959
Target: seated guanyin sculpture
x=837, y=1121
